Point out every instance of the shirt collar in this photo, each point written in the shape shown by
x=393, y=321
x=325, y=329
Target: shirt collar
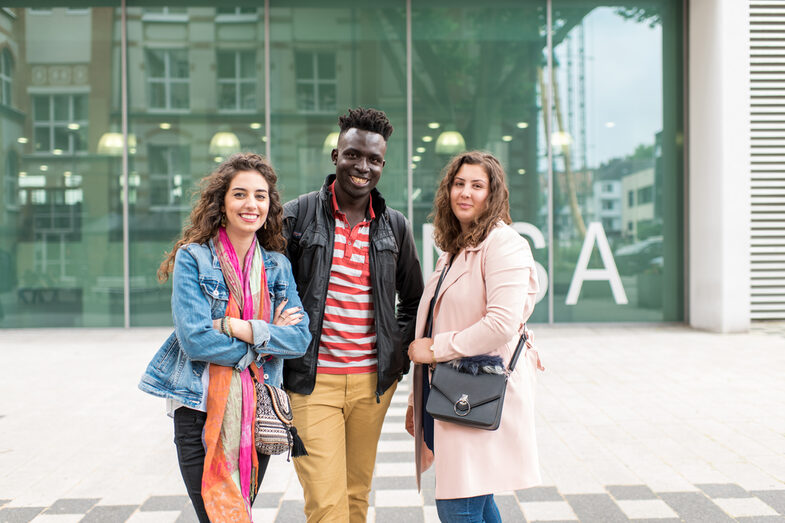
x=337, y=211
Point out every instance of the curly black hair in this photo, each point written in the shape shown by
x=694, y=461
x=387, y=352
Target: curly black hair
x=369, y=119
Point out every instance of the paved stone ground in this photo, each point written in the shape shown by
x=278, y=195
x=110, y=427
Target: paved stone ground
x=644, y=424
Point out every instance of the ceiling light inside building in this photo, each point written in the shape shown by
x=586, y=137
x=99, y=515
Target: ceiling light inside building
x=224, y=143
x=450, y=142
x=112, y=144
x=330, y=142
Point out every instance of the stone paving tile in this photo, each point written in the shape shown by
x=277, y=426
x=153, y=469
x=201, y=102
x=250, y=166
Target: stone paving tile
x=429, y=496
x=548, y=511
x=774, y=498
x=400, y=515
x=162, y=516
x=539, y=494
x=397, y=498
x=267, y=500
x=694, y=507
x=395, y=457
x=109, y=514
x=723, y=490
x=646, y=509
x=19, y=514
x=71, y=506
x=509, y=509
x=394, y=482
x=745, y=507
x=395, y=436
x=595, y=507
x=291, y=512
x=762, y=519
x=188, y=515
x=631, y=492
x=161, y=503
x=58, y=518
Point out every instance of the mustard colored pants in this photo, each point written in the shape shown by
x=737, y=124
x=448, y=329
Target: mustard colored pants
x=339, y=423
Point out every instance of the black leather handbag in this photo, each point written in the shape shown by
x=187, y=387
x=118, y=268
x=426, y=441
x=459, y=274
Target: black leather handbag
x=473, y=400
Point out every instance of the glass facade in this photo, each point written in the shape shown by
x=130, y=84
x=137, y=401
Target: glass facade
x=595, y=112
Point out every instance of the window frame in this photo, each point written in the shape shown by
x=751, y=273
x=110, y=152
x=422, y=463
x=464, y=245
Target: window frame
x=169, y=177
x=237, y=16
x=238, y=81
x=53, y=124
x=6, y=77
x=167, y=80
x=315, y=82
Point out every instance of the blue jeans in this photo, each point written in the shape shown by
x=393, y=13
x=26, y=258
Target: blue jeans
x=479, y=509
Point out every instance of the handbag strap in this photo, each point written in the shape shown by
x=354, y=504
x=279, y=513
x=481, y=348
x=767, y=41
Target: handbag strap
x=518, y=350
x=429, y=320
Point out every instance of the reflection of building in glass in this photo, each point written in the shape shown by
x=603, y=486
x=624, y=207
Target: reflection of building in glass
x=637, y=203
x=605, y=205
x=198, y=90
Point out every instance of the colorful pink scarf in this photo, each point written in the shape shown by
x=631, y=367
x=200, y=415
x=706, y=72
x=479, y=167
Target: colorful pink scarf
x=231, y=464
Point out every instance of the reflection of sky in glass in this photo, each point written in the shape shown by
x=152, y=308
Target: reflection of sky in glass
x=623, y=86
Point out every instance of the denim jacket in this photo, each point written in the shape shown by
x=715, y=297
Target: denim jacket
x=199, y=295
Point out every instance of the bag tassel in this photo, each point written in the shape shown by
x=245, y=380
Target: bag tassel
x=298, y=447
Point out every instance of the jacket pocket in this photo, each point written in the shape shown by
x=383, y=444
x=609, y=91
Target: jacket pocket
x=217, y=294
x=166, y=355
x=313, y=237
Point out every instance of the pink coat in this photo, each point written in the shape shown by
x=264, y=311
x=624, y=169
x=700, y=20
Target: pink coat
x=486, y=296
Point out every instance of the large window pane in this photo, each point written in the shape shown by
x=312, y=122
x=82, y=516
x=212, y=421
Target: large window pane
x=477, y=69
x=60, y=229
x=196, y=94
x=617, y=146
x=327, y=59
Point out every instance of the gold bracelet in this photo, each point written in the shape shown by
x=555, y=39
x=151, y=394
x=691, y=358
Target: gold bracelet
x=229, y=326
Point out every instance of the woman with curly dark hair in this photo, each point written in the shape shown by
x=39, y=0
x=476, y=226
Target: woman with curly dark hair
x=487, y=292
x=236, y=311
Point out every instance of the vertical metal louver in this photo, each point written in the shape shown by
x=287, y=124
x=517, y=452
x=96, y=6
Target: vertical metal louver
x=767, y=106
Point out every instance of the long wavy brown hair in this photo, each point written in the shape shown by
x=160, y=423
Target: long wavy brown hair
x=447, y=229
x=206, y=215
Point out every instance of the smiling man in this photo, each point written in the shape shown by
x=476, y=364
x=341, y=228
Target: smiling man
x=350, y=255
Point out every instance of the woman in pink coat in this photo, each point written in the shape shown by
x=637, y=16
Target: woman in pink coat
x=487, y=294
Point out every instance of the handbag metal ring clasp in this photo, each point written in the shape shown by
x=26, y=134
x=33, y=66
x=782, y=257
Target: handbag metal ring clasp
x=463, y=405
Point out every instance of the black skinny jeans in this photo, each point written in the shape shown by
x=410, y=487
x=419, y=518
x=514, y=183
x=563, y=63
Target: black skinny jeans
x=188, y=425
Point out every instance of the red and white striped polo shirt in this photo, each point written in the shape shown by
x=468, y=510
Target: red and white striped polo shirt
x=348, y=342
